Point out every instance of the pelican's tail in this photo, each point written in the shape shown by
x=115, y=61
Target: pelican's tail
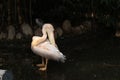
x=62, y=58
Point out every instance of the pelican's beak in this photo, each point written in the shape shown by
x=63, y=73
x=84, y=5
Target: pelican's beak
x=51, y=37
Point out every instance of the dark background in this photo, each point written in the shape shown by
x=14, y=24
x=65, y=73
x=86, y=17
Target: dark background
x=90, y=40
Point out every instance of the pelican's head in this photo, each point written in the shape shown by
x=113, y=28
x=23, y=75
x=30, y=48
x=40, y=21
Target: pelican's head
x=35, y=38
x=48, y=28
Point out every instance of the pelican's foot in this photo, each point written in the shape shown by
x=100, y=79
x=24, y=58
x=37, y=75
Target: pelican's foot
x=43, y=69
x=40, y=65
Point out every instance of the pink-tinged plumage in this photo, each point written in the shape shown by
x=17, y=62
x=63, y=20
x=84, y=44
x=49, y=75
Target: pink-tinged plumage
x=47, y=50
x=46, y=47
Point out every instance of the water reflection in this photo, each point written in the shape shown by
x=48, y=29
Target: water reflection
x=75, y=69
x=91, y=60
x=25, y=69
x=52, y=76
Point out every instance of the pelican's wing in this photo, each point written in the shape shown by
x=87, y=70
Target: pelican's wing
x=50, y=47
x=54, y=50
x=49, y=51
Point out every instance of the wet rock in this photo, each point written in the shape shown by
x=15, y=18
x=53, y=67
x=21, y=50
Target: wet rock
x=11, y=32
x=18, y=35
x=87, y=25
x=26, y=29
x=6, y=75
x=77, y=30
x=58, y=32
x=67, y=27
x=117, y=34
x=3, y=35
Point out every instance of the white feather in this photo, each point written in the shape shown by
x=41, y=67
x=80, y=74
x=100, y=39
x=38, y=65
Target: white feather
x=46, y=50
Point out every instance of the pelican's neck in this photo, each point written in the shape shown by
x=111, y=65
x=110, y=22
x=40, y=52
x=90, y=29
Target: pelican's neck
x=51, y=37
x=46, y=30
x=37, y=41
x=50, y=32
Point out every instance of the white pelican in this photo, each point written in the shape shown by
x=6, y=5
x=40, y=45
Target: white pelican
x=46, y=47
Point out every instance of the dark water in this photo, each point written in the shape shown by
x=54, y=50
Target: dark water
x=89, y=57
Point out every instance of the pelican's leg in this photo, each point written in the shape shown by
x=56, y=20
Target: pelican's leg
x=45, y=67
x=43, y=63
